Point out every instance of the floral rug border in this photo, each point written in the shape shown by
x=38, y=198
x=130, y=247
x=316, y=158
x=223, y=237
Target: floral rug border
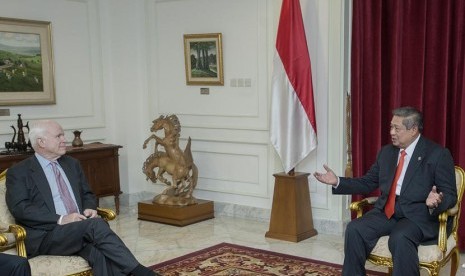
x=252, y=250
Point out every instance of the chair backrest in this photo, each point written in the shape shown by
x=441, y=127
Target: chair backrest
x=460, y=182
x=6, y=218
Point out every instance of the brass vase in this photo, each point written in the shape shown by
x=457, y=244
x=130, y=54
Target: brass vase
x=77, y=142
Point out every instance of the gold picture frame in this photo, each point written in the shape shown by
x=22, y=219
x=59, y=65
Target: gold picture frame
x=26, y=62
x=203, y=54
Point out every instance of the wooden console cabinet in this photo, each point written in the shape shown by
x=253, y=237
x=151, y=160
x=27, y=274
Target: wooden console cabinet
x=99, y=162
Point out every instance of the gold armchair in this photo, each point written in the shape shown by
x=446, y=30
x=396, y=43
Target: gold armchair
x=432, y=257
x=12, y=238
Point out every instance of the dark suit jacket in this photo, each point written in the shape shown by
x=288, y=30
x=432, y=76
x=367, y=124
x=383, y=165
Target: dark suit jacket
x=30, y=201
x=429, y=165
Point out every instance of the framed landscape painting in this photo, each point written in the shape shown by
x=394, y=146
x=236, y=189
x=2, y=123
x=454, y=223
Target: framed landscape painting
x=26, y=62
x=203, y=56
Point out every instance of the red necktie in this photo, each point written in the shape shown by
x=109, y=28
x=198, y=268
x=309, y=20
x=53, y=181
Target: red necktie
x=391, y=201
x=65, y=196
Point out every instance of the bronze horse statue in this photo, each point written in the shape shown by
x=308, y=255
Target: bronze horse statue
x=179, y=164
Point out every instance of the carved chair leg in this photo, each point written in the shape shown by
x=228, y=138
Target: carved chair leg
x=117, y=204
x=454, y=263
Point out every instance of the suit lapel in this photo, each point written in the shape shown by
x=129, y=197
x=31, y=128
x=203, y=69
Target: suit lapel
x=392, y=165
x=415, y=161
x=42, y=183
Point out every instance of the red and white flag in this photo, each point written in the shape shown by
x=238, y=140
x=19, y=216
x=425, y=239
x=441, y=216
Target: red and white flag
x=293, y=122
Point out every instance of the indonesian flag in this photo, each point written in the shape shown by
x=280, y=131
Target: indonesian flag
x=293, y=123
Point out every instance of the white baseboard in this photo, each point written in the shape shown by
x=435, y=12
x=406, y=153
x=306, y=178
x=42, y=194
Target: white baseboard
x=232, y=210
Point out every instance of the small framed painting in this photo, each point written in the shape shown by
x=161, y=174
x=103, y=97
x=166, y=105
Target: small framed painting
x=26, y=62
x=203, y=56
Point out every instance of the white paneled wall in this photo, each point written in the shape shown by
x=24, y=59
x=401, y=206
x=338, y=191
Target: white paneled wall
x=119, y=64
x=229, y=127
x=78, y=68
x=243, y=24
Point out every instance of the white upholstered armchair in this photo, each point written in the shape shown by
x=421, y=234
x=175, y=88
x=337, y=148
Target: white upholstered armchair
x=432, y=257
x=12, y=242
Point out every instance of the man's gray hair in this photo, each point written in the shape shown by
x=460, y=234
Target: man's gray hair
x=37, y=130
x=412, y=117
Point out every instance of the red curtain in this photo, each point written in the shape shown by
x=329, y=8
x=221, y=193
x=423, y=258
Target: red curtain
x=408, y=52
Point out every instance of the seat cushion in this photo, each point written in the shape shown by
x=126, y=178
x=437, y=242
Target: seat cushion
x=48, y=265
x=58, y=265
x=426, y=253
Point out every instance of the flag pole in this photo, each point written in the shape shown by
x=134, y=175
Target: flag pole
x=293, y=112
x=291, y=172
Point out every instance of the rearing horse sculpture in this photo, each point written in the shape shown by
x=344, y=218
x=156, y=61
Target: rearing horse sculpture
x=179, y=164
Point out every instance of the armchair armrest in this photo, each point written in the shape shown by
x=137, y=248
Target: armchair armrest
x=453, y=211
x=443, y=217
x=358, y=206
x=14, y=236
x=106, y=214
x=7, y=240
x=442, y=236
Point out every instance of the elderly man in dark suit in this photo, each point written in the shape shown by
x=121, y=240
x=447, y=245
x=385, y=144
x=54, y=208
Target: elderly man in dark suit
x=49, y=196
x=417, y=182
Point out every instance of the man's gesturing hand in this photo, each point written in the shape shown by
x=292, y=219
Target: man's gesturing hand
x=328, y=178
x=434, y=198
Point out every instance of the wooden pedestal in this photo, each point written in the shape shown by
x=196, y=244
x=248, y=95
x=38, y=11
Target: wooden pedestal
x=291, y=213
x=176, y=215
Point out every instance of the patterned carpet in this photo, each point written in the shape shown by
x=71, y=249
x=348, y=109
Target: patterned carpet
x=233, y=260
